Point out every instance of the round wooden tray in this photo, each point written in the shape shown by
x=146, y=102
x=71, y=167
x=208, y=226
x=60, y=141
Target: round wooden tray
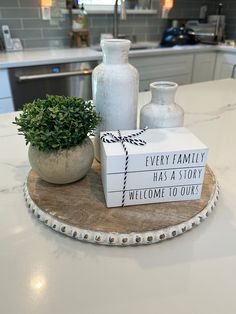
x=78, y=210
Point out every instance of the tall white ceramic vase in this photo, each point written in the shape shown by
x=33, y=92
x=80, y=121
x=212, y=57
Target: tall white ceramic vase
x=162, y=111
x=115, y=86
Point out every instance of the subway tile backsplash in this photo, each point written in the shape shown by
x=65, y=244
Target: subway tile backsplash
x=20, y=13
x=24, y=20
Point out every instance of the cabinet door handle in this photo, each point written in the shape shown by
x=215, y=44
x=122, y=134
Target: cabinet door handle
x=233, y=71
x=53, y=75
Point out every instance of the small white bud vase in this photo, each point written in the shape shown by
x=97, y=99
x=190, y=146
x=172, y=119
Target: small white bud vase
x=115, y=85
x=162, y=111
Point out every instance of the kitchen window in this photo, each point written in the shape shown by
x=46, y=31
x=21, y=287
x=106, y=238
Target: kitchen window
x=99, y=2
x=107, y=6
x=99, y=5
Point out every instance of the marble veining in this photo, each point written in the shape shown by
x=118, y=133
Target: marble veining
x=199, y=117
x=202, y=120
x=13, y=166
x=220, y=111
x=37, y=263
x=12, y=189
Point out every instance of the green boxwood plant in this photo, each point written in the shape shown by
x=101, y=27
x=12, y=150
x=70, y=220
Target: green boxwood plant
x=57, y=122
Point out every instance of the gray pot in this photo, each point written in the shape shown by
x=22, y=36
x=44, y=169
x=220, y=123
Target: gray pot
x=64, y=166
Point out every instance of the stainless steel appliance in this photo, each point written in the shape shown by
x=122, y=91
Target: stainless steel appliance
x=219, y=26
x=219, y=21
x=68, y=79
x=211, y=32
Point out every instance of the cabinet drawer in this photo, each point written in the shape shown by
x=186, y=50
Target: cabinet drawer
x=5, y=90
x=203, y=68
x=162, y=67
x=225, y=66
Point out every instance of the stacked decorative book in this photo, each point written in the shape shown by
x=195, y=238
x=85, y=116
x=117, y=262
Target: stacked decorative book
x=158, y=165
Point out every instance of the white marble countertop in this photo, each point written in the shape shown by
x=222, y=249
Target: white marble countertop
x=47, y=56
x=43, y=272
x=62, y=55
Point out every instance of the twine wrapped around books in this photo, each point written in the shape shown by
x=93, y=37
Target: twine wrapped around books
x=111, y=138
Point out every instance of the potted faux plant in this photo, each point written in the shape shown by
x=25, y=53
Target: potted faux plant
x=57, y=129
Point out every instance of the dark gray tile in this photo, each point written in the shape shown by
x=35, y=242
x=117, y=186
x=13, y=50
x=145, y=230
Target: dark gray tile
x=140, y=37
x=54, y=33
x=9, y=3
x=140, y=29
x=29, y=3
x=38, y=43
x=59, y=22
x=95, y=39
x=100, y=28
x=99, y=21
x=152, y=37
x=35, y=23
x=20, y=13
x=26, y=33
x=12, y=23
x=140, y=20
x=126, y=30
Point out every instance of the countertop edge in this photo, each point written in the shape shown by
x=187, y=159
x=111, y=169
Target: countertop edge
x=65, y=55
x=17, y=64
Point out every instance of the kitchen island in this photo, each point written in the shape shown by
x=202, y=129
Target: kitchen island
x=181, y=64
x=44, y=272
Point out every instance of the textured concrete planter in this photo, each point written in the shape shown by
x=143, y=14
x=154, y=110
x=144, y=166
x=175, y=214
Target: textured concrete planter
x=65, y=166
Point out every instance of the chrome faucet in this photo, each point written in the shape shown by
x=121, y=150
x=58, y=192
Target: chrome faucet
x=115, y=16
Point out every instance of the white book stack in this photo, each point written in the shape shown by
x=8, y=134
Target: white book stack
x=169, y=167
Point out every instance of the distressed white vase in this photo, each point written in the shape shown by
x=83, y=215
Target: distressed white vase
x=162, y=111
x=115, y=86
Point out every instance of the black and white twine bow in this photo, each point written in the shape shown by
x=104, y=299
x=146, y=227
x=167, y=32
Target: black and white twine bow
x=111, y=138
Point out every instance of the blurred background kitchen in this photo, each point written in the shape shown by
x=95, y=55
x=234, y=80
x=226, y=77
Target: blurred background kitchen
x=25, y=22
x=198, y=37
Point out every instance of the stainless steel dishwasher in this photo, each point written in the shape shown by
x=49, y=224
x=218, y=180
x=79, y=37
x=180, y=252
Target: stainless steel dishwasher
x=68, y=79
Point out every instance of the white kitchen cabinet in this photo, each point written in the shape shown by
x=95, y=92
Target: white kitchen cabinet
x=176, y=68
x=5, y=90
x=203, y=67
x=225, y=66
x=6, y=105
x=6, y=102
